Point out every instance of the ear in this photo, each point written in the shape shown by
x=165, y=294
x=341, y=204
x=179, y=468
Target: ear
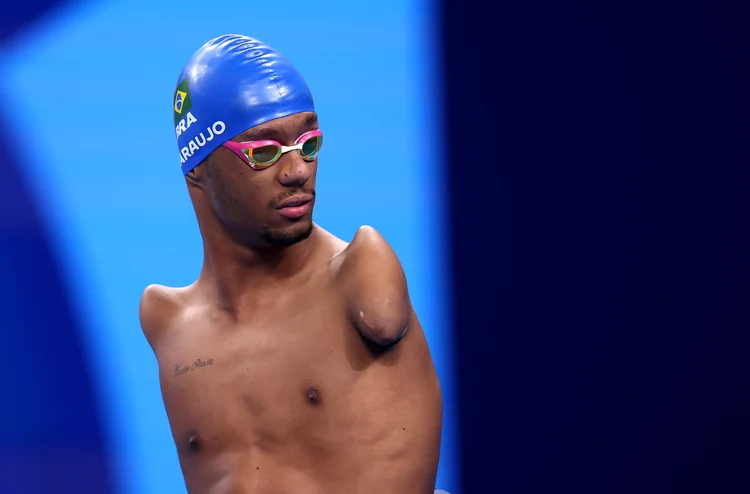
x=193, y=177
x=197, y=176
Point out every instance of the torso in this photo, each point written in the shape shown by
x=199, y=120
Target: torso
x=287, y=397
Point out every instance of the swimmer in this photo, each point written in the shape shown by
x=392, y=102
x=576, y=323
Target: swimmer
x=295, y=363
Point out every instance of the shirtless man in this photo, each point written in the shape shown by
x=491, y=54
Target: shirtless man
x=295, y=363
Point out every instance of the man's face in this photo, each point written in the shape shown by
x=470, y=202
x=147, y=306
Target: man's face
x=250, y=203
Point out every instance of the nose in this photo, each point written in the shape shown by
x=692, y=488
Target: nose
x=294, y=171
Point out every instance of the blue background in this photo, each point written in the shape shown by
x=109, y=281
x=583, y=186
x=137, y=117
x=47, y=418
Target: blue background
x=95, y=208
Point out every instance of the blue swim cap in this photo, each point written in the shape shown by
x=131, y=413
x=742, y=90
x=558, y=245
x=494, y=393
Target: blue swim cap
x=232, y=83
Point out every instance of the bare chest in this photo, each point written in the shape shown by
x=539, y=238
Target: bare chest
x=260, y=380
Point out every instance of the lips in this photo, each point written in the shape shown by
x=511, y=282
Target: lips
x=295, y=201
x=295, y=207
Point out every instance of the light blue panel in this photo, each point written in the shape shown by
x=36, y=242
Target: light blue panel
x=91, y=92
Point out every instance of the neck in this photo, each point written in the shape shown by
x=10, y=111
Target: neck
x=233, y=271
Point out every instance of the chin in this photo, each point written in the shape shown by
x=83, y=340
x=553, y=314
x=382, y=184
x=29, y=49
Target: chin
x=292, y=234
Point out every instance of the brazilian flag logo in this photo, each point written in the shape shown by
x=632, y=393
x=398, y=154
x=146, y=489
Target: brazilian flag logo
x=182, y=102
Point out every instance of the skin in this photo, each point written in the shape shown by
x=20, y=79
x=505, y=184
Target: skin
x=295, y=362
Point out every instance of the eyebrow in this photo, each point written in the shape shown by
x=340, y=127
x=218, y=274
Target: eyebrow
x=311, y=120
x=263, y=133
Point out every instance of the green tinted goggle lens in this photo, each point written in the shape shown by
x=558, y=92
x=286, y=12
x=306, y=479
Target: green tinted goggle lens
x=311, y=147
x=263, y=154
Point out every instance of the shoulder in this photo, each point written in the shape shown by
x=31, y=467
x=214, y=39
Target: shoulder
x=369, y=248
x=158, y=307
x=374, y=284
x=368, y=236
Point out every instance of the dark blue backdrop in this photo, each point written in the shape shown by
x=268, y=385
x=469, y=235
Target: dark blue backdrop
x=600, y=244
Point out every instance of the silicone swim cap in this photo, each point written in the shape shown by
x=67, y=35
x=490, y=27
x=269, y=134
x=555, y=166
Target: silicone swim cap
x=230, y=84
